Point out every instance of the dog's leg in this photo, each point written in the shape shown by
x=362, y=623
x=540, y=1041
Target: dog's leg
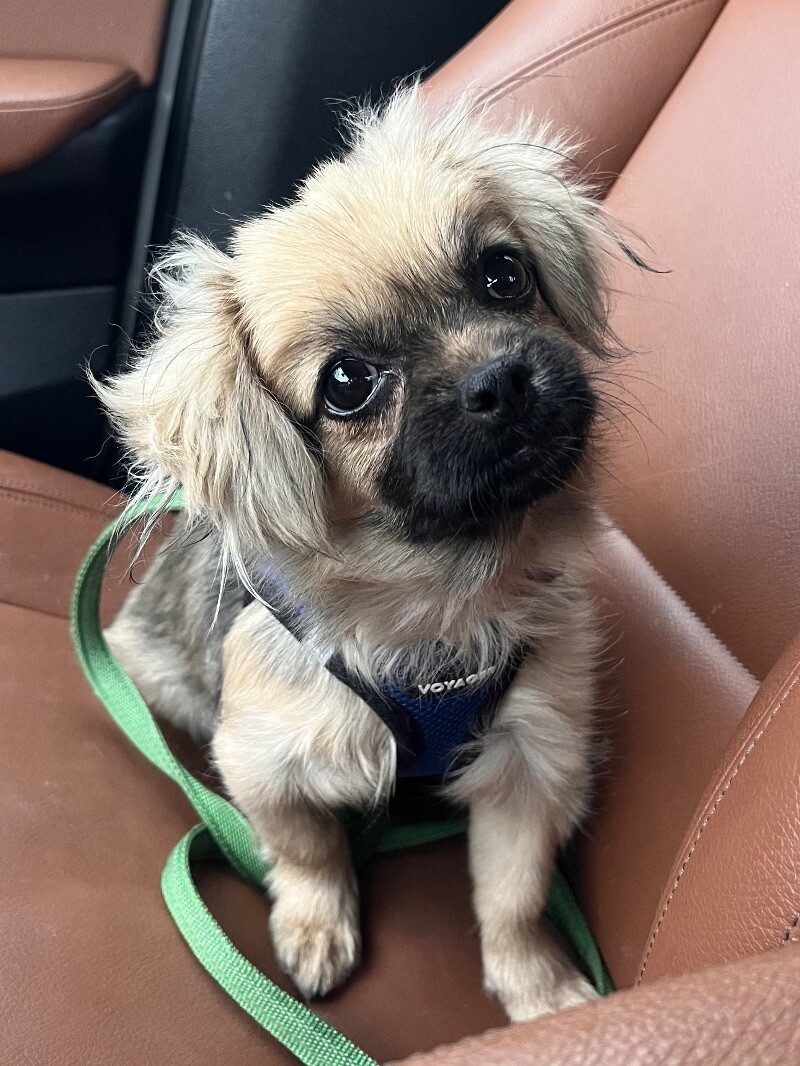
x=295, y=747
x=314, y=919
x=512, y=847
x=526, y=791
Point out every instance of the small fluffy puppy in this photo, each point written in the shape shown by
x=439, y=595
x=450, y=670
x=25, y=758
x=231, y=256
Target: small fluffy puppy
x=380, y=408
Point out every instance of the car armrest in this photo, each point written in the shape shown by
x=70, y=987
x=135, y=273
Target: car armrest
x=742, y=1014
x=44, y=102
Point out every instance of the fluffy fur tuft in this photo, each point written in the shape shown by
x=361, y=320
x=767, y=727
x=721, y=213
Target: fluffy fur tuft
x=191, y=408
x=532, y=166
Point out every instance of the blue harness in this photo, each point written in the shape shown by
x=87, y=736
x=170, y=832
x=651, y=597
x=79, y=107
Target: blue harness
x=428, y=721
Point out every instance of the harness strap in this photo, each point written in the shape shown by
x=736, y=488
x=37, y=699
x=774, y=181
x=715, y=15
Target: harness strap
x=405, y=730
x=224, y=832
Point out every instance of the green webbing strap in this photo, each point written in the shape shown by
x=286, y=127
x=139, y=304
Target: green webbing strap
x=308, y=1037
x=123, y=702
x=224, y=832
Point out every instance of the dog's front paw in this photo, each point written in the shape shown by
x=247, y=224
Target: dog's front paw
x=318, y=951
x=537, y=981
x=525, y=1004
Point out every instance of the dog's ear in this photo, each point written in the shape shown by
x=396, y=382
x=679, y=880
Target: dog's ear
x=194, y=413
x=574, y=240
x=531, y=169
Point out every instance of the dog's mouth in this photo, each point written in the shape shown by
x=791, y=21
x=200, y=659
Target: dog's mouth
x=478, y=456
x=493, y=495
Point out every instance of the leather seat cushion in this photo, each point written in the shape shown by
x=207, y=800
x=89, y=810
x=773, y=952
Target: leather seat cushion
x=601, y=68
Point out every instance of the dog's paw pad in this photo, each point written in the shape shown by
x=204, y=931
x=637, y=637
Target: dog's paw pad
x=318, y=955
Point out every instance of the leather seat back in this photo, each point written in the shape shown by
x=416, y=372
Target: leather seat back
x=707, y=483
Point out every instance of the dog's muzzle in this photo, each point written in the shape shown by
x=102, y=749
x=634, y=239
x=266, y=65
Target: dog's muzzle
x=479, y=449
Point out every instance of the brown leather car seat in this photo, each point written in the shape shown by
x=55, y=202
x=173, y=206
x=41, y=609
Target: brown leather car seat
x=689, y=866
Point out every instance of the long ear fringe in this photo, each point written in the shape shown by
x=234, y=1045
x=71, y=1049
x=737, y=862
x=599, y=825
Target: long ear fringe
x=175, y=287
x=187, y=409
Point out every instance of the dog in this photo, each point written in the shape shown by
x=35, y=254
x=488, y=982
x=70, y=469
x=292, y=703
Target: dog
x=380, y=405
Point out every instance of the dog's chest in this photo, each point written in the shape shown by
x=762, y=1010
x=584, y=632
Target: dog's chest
x=431, y=718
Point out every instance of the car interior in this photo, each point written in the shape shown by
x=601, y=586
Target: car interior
x=122, y=125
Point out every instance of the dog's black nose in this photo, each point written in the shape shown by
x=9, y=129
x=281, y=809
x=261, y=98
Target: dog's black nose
x=500, y=390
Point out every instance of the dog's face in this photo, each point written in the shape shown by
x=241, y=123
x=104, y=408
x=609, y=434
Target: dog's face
x=409, y=342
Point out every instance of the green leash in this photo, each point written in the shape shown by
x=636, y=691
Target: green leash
x=224, y=832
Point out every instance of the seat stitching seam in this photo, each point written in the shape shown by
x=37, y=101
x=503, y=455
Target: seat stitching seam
x=77, y=101
x=653, y=569
x=599, y=34
x=34, y=488
x=34, y=610
x=26, y=499
x=693, y=847
x=586, y=36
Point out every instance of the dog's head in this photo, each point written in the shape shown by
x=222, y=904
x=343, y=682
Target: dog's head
x=408, y=343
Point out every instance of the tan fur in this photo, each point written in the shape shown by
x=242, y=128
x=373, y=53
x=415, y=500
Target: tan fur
x=212, y=406
x=526, y=791
x=241, y=335
x=294, y=744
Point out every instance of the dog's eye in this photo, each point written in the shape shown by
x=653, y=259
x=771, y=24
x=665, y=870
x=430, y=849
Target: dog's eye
x=349, y=385
x=504, y=275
